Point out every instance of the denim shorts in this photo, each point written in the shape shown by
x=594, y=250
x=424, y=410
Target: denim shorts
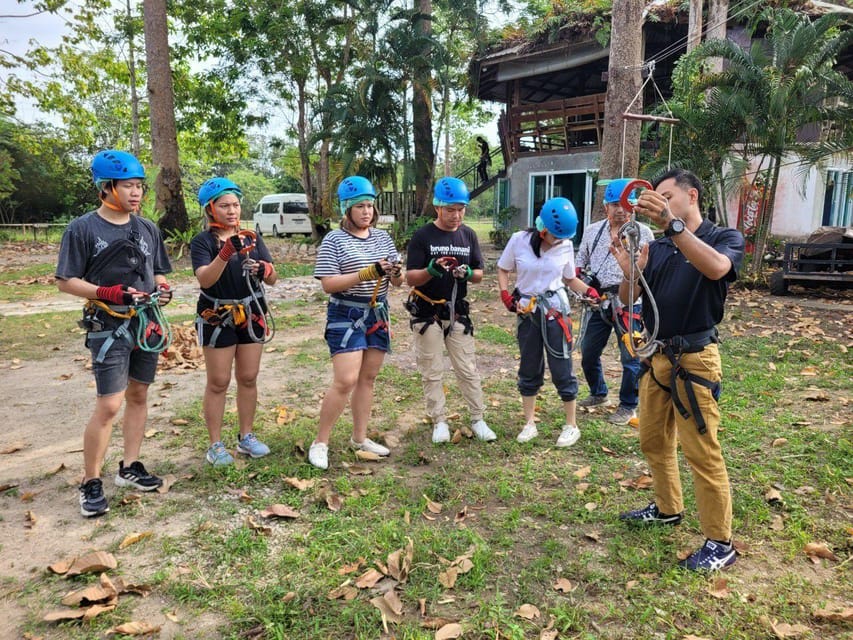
x=122, y=362
x=367, y=337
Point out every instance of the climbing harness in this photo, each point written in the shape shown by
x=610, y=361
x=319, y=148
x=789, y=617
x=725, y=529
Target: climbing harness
x=150, y=321
x=240, y=314
x=550, y=305
x=456, y=309
x=379, y=307
x=673, y=349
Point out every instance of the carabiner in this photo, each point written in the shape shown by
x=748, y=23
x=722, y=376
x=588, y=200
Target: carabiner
x=635, y=186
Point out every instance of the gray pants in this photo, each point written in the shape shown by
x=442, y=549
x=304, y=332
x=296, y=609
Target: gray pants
x=531, y=367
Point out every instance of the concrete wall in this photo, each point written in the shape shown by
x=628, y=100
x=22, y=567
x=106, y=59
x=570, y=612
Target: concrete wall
x=519, y=177
x=799, y=198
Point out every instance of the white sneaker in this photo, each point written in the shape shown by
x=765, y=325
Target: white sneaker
x=569, y=436
x=318, y=455
x=441, y=432
x=528, y=433
x=482, y=431
x=369, y=445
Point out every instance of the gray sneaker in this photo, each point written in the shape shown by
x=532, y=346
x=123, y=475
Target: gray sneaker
x=594, y=401
x=218, y=455
x=621, y=415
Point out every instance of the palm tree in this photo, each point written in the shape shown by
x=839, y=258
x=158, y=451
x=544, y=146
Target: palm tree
x=773, y=91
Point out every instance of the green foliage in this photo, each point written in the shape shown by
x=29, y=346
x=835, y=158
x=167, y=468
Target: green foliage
x=401, y=232
x=500, y=235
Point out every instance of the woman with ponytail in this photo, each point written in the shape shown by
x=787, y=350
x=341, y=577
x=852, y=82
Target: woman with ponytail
x=542, y=259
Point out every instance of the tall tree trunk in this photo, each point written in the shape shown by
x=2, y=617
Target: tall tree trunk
x=134, y=95
x=623, y=83
x=422, y=109
x=161, y=100
x=318, y=222
x=766, y=220
x=718, y=11
x=694, y=25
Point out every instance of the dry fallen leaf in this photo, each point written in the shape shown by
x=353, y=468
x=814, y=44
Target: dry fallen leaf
x=447, y=578
x=449, y=631
x=563, y=584
x=263, y=529
x=434, y=507
x=435, y=623
x=777, y=523
x=133, y=538
x=345, y=592
x=367, y=455
x=719, y=588
x=778, y=442
x=135, y=628
x=168, y=480
x=527, y=611
x=583, y=472
x=94, y=562
x=352, y=567
x=835, y=613
x=12, y=448
x=400, y=562
x=29, y=519
x=773, y=496
x=300, y=484
x=368, y=579
x=64, y=614
x=815, y=550
x=279, y=511
x=784, y=630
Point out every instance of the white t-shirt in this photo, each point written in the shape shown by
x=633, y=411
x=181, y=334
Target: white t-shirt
x=535, y=275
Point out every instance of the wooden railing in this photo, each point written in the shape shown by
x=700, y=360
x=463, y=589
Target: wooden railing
x=572, y=124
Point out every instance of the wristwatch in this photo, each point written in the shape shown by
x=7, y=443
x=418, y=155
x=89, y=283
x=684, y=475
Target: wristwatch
x=675, y=227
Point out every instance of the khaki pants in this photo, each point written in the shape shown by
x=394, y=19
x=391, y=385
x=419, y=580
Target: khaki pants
x=661, y=423
x=429, y=351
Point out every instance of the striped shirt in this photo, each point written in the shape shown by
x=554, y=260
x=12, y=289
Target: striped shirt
x=341, y=252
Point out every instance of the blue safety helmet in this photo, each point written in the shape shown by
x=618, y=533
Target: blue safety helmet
x=355, y=186
x=614, y=190
x=216, y=187
x=559, y=217
x=450, y=191
x=115, y=165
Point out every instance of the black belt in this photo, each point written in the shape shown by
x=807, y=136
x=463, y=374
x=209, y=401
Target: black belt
x=691, y=342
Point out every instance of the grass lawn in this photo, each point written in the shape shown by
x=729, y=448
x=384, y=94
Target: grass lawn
x=506, y=540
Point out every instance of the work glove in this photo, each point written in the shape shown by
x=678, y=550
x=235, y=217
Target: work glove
x=165, y=292
x=436, y=269
x=116, y=294
x=509, y=301
x=593, y=294
x=264, y=269
x=372, y=272
x=231, y=246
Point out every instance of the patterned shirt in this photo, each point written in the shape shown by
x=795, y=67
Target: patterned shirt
x=341, y=252
x=597, y=256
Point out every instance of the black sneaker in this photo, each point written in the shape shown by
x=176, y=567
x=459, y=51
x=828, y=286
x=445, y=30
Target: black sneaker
x=92, y=500
x=711, y=556
x=137, y=477
x=649, y=515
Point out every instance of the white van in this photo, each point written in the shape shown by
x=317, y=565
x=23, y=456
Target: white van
x=282, y=214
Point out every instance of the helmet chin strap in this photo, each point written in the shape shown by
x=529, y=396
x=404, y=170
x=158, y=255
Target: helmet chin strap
x=215, y=225
x=110, y=205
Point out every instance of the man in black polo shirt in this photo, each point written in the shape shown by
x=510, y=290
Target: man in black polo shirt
x=688, y=271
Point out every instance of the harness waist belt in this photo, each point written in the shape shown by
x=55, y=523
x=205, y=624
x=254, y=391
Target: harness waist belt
x=692, y=342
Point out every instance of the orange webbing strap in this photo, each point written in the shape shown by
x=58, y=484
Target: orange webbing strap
x=103, y=306
x=420, y=295
x=220, y=314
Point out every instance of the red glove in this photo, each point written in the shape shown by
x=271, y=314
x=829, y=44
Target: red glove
x=116, y=294
x=265, y=269
x=593, y=294
x=508, y=300
x=578, y=272
x=165, y=294
x=231, y=246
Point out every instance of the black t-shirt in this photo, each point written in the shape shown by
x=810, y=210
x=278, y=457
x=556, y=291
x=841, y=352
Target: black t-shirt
x=231, y=285
x=687, y=301
x=107, y=254
x=430, y=242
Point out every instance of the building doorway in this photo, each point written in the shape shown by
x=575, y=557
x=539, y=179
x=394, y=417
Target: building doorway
x=574, y=185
